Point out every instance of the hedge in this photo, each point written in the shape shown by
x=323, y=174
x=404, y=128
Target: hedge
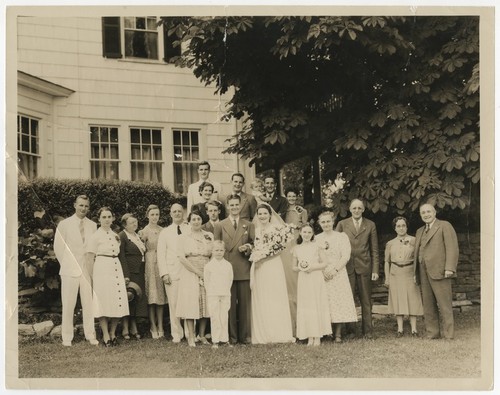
x=38, y=266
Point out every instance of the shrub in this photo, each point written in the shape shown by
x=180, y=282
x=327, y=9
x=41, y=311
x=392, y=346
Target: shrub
x=38, y=266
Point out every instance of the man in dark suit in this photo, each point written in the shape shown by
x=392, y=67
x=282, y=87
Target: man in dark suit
x=436, y=259
x=213, y=212
x=277, y=202
x=248, y=203
x=363, y=266
x=238, y=235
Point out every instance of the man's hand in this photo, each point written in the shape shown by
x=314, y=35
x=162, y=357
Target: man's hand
x=448, y=274
x=374, y=276
x=166, y=279
x=127, y=280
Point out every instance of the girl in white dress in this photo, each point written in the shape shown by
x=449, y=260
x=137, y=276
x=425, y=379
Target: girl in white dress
x=336, y=252
x=271, y=321
x=313, y=313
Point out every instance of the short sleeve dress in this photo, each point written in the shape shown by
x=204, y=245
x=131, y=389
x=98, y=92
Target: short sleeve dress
x=109, y=293
x=404, y=294
x=155, y=290
x=313, y=313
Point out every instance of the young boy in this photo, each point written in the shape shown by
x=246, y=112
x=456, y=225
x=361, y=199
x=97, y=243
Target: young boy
x=218, y=278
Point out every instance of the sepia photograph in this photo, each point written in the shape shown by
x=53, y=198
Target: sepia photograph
x=249, y=198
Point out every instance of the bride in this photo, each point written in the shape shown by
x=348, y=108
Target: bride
x=271, y=321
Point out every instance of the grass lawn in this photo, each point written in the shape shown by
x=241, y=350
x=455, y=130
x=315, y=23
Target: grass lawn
x=384, y=357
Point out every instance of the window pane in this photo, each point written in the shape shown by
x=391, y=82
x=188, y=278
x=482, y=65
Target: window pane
x=194, y=138
x=146, y=153
x=104, y=151
x=140, y=23
x=34, y=145
x=94, y=151
x=184, y=174
x=185, y=138
x=136, y=152
x=157, y=153
x=104, y=135
x=156, y=136
x=186, y=153
x=25, y=125
x=152, y=45
x=114, y=152
x=114, y=135
x=129, y=22
x=34, y=127
x=94, y=133
x=146, y=136
x=25, y=144
x=177, y=153
x=177, y=137
x=151, y=23
x=134, y=136
x=195, y=154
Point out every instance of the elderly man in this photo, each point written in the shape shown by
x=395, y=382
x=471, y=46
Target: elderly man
x=69, y=241
x=169, y=266
x=363, y=265
x=436, y=259
x=277, y=202
x=193, y=195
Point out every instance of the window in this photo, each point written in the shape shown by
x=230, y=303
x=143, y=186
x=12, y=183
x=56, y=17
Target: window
x=146, y=154
x=141, y=37
x=186, y=158
x=28, y=151
x=104, y=152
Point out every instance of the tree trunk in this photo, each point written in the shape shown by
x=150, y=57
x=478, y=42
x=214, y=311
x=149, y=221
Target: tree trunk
x=316, y=179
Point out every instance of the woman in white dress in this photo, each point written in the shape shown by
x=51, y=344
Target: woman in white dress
x=271, y=321
x=336, y=251
x=110, y=301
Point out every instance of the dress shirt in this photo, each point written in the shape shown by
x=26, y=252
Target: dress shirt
x=168, y=241
x=218, y=277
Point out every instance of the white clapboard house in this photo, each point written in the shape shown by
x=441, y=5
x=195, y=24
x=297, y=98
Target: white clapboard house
x=100, y=98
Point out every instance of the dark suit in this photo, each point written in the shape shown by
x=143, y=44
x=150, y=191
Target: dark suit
x=208, y=227
x=240, y=310
x=363, y=262
x=248, y=206
x=435, y=252
x=279, y=204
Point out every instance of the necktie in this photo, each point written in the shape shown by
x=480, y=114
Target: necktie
x=356, y=225
x=235, y=224
x=179, y=230
x=82, y=230
x=427, y=227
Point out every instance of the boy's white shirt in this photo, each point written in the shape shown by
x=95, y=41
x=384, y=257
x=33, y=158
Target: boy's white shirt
x=218, y=277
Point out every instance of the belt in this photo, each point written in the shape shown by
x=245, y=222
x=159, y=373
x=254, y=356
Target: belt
x=401, y=264
x=108, y=256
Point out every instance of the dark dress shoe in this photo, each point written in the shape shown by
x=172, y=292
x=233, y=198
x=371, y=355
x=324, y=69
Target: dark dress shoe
x=107, y=343
x=400, y=334
x=114, y=342
x=369, y=336
x=414, y=334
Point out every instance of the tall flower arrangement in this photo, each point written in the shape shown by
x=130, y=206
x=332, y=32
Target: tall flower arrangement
x=331, y=188
x=272, y=243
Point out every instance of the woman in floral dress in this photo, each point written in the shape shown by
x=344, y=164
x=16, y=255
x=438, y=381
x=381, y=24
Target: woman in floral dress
x=336, y=251
x=195, y=250
x=404, y=294
x=155, y=290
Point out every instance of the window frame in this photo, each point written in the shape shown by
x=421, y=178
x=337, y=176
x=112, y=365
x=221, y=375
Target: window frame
x=193, y=162
x=110, y=143
x=36, y=157
x=152, y=146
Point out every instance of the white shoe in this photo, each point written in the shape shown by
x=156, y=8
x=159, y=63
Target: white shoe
x=66, y=344
x=94, y=342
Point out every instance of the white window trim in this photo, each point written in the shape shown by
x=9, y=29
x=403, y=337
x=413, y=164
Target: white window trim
x=164, y=148
x=41, y=156
x=124, y=58
x=89, y=149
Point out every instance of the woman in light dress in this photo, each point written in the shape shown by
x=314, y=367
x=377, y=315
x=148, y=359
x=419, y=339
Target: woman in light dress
x=404, y=294
x=271, y=321
x=110, y=301
x=336, y=253
x=313, y=312
x=155, y=289
x=195, y=250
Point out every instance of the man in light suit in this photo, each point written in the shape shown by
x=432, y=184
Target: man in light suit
x=238, y=235
x=193, y=195
x=363, y=266
x=277, y=202
x=213, y=212
x=169, y=266
x=248, y=204
x=436, y=259
x=75, y=272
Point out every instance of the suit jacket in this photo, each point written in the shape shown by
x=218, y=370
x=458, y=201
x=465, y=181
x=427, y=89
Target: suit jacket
x=248, y=206
x=208, y=227
x=364, y=246
x=234, y=238
x=279, y=204
x=69, y=246
x=438, y=249
x=130, y=256
x=168, y=260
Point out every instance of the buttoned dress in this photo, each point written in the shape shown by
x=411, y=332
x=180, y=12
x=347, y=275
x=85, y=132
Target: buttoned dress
x=109, y=293
x=404, y=294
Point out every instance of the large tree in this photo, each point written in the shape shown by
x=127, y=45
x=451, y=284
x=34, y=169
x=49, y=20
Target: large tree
x=391, y=102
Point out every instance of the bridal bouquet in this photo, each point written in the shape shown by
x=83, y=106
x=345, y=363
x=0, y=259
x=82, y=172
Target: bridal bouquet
x=272, y=243
x=330, y=189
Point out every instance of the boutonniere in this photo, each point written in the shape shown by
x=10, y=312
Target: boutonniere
x=405, y=241
x=207, y=237
x=299, y=209
x=117, y=238
x=244, y=226
x=325, y=245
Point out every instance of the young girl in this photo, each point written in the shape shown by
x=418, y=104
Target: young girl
x=313, y=314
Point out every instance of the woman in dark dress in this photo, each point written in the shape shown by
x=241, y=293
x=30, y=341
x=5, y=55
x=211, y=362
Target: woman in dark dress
x=206, y=190
x=131, y=256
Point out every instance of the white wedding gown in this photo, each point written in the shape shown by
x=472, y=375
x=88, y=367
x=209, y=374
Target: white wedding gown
x=271, y=321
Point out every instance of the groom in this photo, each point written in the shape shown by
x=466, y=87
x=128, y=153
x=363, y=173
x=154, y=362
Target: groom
x=238, y=235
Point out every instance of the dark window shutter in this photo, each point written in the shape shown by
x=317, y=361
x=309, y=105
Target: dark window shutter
x=169, y=51
x=111, y=45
